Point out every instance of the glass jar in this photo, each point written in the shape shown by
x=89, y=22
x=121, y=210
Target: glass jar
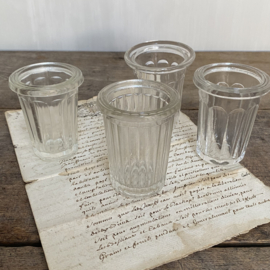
x=48, y=94
x=161, y=61
x=138, y=119
x=229, y=99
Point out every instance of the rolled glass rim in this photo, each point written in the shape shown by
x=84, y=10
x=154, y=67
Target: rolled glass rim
x=146, y=116
x=145, y=46
x=75, y=80
x=262, y=88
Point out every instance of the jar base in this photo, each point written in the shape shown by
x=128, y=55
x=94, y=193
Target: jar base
x=56, y=156
x=138, y=193
x=220, y=162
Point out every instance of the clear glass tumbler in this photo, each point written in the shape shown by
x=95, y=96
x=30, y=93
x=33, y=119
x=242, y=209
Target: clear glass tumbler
x=138, y=118
x=48, y=94
x=229, y=99
x=161, y=61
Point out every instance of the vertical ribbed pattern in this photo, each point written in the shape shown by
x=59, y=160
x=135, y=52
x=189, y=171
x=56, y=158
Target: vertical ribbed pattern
x=52, y=123
x=138, y=151
x=174, y=79
x=224, y=132
x=28, y=117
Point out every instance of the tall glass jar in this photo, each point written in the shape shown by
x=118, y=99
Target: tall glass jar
x=138, y=118
x=48, y=94
x=229, y=99
x=161, y=61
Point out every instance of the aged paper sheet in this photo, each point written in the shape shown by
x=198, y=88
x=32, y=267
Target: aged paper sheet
x=84, y=224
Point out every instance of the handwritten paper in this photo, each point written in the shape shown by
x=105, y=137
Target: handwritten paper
x=84, y=224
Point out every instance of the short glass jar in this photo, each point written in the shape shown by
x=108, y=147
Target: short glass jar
x=229, y=99
x=48, y=94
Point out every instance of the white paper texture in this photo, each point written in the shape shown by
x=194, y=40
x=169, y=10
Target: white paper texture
x=84, y=224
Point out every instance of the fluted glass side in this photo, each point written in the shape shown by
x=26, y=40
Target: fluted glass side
x=138, y=156
x=52, y=124
x=223, y=133
x=138, y=118
x=48, y=94
x=174, y=79
x=229, y=100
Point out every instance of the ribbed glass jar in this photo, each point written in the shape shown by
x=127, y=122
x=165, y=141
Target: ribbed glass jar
x=229, y=99
x=48, y=94
x=161, y=61
x=138, y=118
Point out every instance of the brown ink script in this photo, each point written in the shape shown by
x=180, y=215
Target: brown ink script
x=83, y=223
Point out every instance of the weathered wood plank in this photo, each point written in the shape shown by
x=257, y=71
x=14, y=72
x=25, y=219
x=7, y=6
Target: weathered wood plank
x=257, y=258
x=17, y=224
x=22, y=258
x=103, y=68
x=16, y=219
x=223, y=259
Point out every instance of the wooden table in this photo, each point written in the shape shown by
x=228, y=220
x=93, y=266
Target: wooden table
x=20, y=246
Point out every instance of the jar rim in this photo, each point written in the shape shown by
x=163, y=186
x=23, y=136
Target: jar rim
x=75, y=80
x=179, y=48
x=109, y=110
x=260, y=89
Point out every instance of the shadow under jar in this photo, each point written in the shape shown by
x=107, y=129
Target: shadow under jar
x=229, y=99
x=48, y=94
x=161, y=61
x=138, y=117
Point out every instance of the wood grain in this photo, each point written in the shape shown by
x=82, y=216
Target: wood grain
x=22, y=258
x=233, y=258
x=102, y=68
x=17, y=225
x=223, y=259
